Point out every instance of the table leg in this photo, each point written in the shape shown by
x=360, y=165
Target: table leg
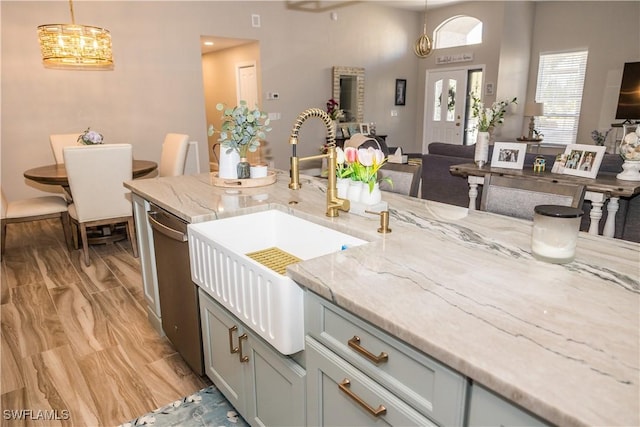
x=596, y=213
x=474, y=181
x=610, y=223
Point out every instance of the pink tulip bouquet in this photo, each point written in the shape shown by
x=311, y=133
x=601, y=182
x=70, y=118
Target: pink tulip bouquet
x=360, y=164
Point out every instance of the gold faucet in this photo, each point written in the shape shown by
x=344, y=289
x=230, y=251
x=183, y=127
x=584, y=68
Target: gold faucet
x=334, y=203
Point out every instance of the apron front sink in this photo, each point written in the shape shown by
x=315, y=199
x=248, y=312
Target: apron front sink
x=241, y=262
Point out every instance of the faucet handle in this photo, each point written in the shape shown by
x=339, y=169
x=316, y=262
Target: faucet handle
x=384, y=221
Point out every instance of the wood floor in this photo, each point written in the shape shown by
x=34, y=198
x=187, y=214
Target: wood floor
x=77, y=349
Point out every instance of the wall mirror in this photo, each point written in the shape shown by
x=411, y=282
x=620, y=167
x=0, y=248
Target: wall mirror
x=348, y=90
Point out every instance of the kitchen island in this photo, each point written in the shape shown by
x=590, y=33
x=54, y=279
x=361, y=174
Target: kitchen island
x=561, y=341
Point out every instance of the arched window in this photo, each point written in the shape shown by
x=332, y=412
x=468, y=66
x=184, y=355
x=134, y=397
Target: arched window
x=458, y=31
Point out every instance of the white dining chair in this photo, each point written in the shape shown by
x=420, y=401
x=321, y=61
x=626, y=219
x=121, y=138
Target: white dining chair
x=59, y=141
x=174, y=154
x=96, y=175
x=34, y=209
x=517, y=197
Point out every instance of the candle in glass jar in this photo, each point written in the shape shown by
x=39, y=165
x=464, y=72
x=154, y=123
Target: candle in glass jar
x=555, y=233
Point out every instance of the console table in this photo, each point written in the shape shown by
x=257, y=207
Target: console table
x=598, y=190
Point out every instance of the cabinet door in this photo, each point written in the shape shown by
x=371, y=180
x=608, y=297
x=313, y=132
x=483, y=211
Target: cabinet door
x=220, y=334
x=147, y=260
x=489, y=409
x=340, y=395
x=278, y=387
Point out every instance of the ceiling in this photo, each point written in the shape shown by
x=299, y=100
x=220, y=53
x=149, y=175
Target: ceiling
x=317, y=6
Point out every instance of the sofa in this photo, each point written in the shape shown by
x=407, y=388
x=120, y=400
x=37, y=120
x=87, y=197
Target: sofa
x=440, y=185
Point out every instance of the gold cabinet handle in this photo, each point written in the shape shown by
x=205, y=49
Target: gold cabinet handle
x=232, y=349
x=354, y=343
x=242, y=358
x=344, y=387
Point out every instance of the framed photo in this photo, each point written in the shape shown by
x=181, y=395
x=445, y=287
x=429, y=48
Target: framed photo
x=401, y=91
x=508, y=155
x=364, y=128
x=583, y=160
x=345, y=131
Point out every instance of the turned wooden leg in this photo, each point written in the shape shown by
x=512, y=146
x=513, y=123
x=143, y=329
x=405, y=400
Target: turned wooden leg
x=85, y=244
x=610, y=223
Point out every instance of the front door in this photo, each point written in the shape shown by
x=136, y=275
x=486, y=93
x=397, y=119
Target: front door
x=445, y=106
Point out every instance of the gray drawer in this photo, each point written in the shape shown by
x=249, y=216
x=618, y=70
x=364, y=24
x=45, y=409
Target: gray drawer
x=430, y=387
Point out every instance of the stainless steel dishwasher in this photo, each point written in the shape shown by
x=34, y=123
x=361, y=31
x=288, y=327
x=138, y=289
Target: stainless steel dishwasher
x=179, y=306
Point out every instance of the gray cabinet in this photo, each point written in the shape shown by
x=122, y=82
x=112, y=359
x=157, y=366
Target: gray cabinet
x=384, y=370
x=489, y=409
x=341, y=395
x=265, y=387
x=144, y=236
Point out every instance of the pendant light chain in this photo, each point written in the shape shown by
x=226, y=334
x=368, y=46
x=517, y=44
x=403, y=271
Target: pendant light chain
x=73, y=19
x=423, y=46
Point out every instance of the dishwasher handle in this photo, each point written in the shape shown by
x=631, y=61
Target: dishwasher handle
x=163, y=229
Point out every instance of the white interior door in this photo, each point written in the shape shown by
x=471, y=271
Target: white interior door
x=247, y=84
x=445, y=106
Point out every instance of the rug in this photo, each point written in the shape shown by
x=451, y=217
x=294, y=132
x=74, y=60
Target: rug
x=207, y=407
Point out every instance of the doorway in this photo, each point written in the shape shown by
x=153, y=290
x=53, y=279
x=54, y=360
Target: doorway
x=446, y=109
x=231, y=72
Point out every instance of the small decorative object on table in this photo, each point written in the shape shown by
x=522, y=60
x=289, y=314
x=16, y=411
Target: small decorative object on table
x=539, y=164
x=487, y=120
x=241, y=131
x=630, y=152
x=90, y=137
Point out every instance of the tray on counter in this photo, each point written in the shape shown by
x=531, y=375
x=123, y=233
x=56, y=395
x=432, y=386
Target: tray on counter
x=247, y=183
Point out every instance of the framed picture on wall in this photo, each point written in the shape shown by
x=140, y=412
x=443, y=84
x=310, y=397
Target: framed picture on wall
x=508, y=155
x=583, y=160
x=401, y=91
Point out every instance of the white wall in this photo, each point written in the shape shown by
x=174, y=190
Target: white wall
x=157, y=84
x=611, y=33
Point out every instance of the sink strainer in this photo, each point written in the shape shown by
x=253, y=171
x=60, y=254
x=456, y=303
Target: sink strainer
x=274, y=258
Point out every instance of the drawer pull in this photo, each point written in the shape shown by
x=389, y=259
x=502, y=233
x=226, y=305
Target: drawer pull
x=242, y=358
x=354, y=343
x=344, y=387
x=232, y=349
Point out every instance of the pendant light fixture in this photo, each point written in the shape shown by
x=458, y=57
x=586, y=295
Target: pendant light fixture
x=71, y=46
x=423, y=46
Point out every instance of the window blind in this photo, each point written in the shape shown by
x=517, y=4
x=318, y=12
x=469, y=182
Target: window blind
x=560, y=85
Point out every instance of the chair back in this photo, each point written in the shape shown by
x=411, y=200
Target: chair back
x=96, y=175
x=405, y=178
x=3, y=207
x=59, y=141
x=174, y=154
x=518, y=196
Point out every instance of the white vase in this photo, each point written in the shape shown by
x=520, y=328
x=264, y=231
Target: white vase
x=342, y=185
x=228, y=167
x=630, y=171
x=371, y=197
x=481, y=155
x=354, y=191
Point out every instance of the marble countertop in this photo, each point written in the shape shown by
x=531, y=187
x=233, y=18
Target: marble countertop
x=562, y=341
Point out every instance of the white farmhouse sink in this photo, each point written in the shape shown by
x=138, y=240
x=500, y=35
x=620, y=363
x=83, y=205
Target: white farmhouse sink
x=270, y=303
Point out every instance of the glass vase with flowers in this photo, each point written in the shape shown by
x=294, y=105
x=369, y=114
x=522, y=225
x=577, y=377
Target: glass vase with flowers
x=241, y=131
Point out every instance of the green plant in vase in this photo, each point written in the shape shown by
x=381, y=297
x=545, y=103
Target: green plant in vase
x=241, y=130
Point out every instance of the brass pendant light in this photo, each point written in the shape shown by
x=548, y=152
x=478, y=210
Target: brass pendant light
x=71, y=46
x=423, y=46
